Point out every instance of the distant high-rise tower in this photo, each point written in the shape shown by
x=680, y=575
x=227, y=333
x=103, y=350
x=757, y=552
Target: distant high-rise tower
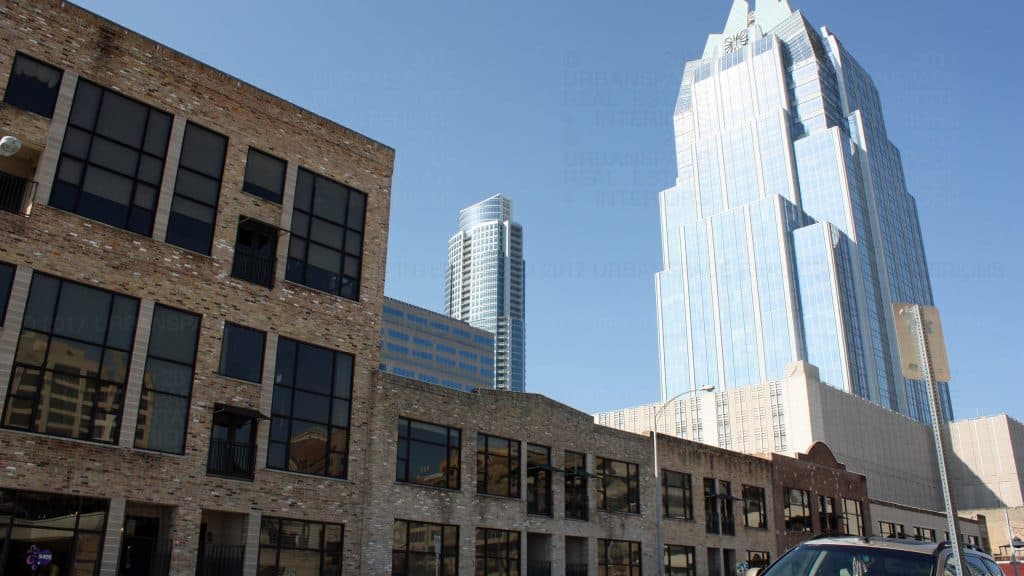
x=790, y=232
x=485, y=284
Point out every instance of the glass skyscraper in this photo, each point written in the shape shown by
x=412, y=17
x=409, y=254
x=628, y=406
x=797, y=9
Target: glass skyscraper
x=485, y=284
x=789, y=232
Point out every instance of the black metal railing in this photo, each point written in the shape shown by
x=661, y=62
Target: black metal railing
x=153, y=559
x=542, y=568
x=230, y=459
x=12, y=192
x=575, y=570
x=221, y=560
x=252, y=267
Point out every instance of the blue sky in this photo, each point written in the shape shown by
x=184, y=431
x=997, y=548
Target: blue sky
x=566, y=107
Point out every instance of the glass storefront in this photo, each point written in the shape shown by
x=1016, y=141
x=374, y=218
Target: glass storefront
x=45, y=534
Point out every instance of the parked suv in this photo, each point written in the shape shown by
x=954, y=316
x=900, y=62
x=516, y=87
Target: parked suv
x=853, y=556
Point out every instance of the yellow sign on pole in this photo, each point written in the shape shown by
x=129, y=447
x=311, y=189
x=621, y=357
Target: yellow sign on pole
x=908, y=338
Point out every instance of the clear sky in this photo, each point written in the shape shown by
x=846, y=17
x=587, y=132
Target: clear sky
x=566, y=107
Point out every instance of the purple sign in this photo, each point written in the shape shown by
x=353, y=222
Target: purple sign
x=37, y=558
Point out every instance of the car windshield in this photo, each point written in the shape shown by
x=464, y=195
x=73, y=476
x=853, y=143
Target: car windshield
x=827, y=560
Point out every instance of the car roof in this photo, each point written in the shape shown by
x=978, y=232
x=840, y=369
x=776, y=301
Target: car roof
x=917, y=546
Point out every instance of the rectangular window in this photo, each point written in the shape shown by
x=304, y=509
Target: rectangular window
x=853, y=517
x=71, y=364
x=796, y=510
x=718, y=512
x=577, y=501
x=69, y=527
x=428, y=454
x=414, y=554
x=497, y=552
x=680, y=561
x=618, y=489
x=298, y=547
x=755, y=507
x=891, y=530
x=326, y=246
x=33, y=85
x=497, y=466
x=167, y=384
x=112, y=160
x=232, y=442
x=264, y=176
x=678, y=494
x=758, y=558
x=6, y=282
x=241, y=352
x=310, y=410
x=255, y=252
x=924, y=534
x=197, y=189
x=618, y=557
x=828, y=516
x=538, y=480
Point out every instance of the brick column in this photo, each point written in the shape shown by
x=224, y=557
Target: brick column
x=47, y=167
x=287, y=203
x=184, y=535
x=266, y=399
x=12, y=327
x=252, y=544
x=163, y=206
x=133, y=391
x=112, y=537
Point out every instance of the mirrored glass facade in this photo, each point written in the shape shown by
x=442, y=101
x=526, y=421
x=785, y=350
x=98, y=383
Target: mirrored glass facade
x=789, y=232
x=485, y=284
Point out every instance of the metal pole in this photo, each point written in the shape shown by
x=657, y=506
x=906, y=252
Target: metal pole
x=1009, y=532
x=940, y=433
x=660, y=553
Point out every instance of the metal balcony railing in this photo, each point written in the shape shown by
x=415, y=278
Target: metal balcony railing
x=13, y=192
x=575, y=570
x=230, y=459
x=252, y=267
x=221, y=561
x=542, y=568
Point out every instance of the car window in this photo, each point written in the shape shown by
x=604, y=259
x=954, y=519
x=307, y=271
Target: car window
x=825, y=560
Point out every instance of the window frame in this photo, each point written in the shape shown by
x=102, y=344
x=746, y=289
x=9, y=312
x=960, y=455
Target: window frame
x=258, y=191
x=635, y=566
x=447, y=552
x=539, y=486
x=684, y=486
x=192, y=375
x=297, y=269
x=577, y=487
x=293, y=390
x=254, y=227
x=828, y=519
x=512, y=551
x=484, y=460
x=856, y=512
x=451, y=444
x=221, y=368
x=632, y=480
x=756, y=496
x=6, y=288
x=278, y=547
x=237, y=414
x=61, y=188
x=691, y=554
x=179, y=192
x=97, y=383
x=789, y=518
x=45, y=112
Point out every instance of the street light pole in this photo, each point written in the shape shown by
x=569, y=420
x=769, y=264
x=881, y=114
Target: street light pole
x=657, y=473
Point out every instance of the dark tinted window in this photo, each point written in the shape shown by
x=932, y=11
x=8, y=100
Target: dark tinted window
x=618, y=489
x=71, y=363
x=326, y=235
x=264, y=175
x=755, y=507
x=33, y=85
x=619, y=557
x=497, y=552
x=413, y=553
x=680, y=561
x=112, y=159
x=167, y=384
x=678, y=494
x=197, y=189
x=428, y=454
x=232, y=444
x=255, y=253
x=538, y=480
x=241, y=354
x=497, y=466
x=69, y=527
x=577, y=501
x=298, y=547
x=796, y=511
x=6, y=281
x=310, y=410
